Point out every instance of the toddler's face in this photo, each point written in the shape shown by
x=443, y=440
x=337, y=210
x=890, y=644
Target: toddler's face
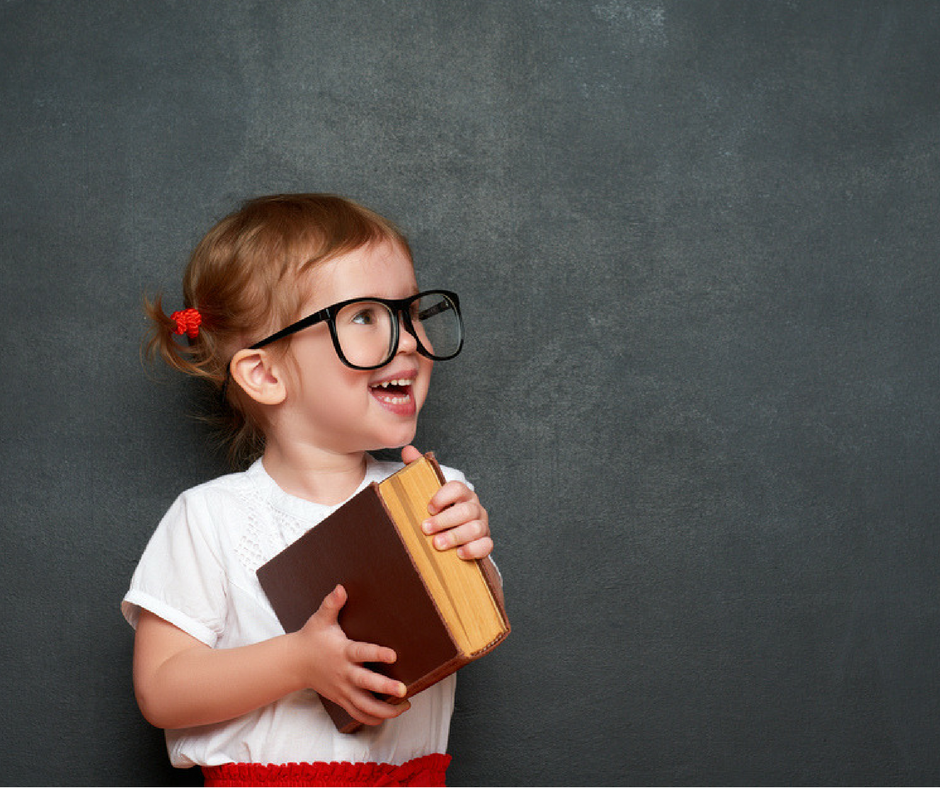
x=345, y=410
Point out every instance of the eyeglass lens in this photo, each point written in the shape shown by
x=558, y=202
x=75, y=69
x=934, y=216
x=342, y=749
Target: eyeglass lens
x=366, y=332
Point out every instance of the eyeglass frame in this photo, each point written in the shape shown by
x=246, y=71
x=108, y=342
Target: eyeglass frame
x=397, y=306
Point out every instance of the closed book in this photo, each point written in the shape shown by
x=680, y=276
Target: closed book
x=435, y=609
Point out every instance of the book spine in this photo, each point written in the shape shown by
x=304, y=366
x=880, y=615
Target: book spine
x=407, y=551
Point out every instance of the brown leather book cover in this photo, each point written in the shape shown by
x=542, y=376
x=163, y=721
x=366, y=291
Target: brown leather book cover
x=388, y=604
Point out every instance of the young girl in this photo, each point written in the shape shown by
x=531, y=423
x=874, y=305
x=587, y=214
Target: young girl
x=304, y=312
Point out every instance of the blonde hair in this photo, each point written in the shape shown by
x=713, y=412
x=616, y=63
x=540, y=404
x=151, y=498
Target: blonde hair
x=242, y=278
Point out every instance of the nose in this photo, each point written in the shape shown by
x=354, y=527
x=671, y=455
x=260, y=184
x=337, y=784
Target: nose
x=407, y=343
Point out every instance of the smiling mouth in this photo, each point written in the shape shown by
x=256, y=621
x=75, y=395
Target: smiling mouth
x=393, y=392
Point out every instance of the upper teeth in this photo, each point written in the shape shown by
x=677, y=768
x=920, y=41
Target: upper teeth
x=388, y=383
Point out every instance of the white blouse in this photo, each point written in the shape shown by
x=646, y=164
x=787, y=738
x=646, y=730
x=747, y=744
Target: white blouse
x=198, y=573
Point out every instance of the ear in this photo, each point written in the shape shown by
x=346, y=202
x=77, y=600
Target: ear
x=259, y=376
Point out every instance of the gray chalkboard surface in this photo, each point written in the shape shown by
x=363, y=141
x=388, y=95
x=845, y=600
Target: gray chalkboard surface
x=697, y=244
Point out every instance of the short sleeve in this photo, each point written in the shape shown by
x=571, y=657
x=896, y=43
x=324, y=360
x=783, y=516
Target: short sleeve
x=453, y=475
x=181, y=577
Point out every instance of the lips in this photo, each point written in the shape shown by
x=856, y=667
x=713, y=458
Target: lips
x=395, y=394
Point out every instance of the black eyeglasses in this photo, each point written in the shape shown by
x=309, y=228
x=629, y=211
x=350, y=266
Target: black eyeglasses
x=365, y=331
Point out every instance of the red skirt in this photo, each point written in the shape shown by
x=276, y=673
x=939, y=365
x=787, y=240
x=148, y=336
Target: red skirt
x=428, y=770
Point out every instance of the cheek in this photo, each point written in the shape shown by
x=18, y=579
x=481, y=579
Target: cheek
x=317, y=373
x=422, y=384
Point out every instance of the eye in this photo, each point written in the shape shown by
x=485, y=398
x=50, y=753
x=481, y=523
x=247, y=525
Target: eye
x=364, y=316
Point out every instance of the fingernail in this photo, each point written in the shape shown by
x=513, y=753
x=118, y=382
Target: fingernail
x=426, y=526
x=440, y=542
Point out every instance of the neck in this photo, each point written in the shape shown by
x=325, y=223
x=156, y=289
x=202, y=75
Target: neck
x=314, y=475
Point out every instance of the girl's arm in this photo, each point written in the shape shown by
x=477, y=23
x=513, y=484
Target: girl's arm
x=181, y=682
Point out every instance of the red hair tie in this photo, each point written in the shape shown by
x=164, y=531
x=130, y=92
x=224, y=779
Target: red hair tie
x=187, y=322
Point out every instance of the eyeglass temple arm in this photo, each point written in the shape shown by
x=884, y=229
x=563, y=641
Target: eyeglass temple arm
x=443, y=306
x=293, y=328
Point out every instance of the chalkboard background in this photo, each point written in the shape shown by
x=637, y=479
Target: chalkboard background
x=698, y=248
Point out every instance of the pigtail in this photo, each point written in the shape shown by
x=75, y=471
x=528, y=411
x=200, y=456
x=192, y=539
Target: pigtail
x=178, y=339
x=184, y=343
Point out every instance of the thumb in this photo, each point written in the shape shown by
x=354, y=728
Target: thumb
x=332, y=603
x=410, y=454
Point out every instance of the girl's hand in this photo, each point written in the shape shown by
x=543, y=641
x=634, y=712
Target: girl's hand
x=332, y=665
x=457, y=519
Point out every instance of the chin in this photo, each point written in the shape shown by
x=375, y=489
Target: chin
x=395, y=441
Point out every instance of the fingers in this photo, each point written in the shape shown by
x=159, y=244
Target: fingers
x=369, y=710
x=452, y=529
x=468, y=547
x=361, y=701
x=450, y=494
x=410, y=454
x=365, y=679
x=360, y=677
x=459, y=514
x=458, y=520
x=357, y=651
x=455, y=505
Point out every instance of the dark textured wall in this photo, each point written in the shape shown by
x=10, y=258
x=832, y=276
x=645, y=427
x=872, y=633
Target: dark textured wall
x=697, y=244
